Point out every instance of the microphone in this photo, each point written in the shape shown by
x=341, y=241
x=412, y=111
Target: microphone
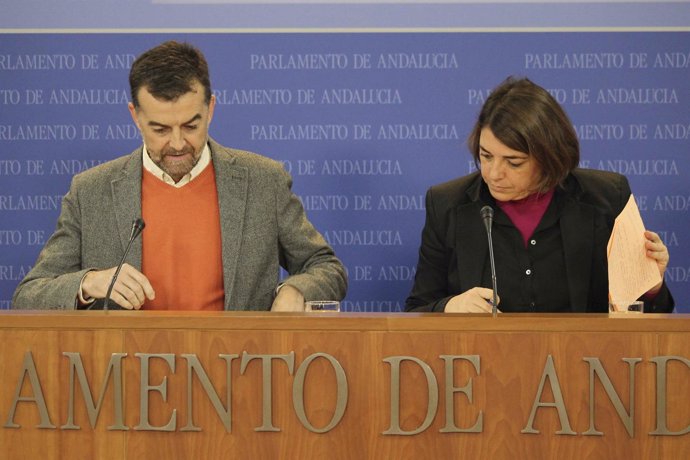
x=137, y=226
x=487, y=214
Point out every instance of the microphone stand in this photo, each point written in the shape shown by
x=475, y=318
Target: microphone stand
x=487, y=214
x=494, y=303
x=137, y=227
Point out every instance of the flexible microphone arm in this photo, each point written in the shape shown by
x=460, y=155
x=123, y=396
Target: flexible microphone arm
x=487, y=214
x=137, y=226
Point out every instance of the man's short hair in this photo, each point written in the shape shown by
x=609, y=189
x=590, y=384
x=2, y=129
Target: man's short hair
x=168, y=71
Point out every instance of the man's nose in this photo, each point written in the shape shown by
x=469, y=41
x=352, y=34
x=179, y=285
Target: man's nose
x=177, y=140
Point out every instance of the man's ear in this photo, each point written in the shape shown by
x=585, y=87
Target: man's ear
x=133, y=113
x=211, y=106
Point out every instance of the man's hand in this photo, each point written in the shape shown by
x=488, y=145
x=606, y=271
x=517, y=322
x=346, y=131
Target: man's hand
x=289, y=298
x=130, y=291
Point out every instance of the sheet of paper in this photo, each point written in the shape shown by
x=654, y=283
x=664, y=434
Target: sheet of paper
x=631, y=272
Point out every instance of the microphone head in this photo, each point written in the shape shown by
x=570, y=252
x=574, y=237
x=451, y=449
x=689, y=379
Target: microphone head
x=487, y=213
x=137, y=226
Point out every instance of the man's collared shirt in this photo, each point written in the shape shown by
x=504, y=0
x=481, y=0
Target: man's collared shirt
x=154, y=169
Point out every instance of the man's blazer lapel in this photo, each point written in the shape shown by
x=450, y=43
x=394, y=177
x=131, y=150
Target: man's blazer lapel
x=126, y=203
x=232, y=182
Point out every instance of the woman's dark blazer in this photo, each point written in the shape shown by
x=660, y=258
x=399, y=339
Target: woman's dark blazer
x=454, y=248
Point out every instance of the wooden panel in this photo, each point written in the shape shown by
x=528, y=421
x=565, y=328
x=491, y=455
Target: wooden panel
x=46, y=348
x=511, y=353
x=678, y=395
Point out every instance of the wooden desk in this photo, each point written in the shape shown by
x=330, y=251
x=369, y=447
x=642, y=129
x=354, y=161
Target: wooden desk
x=497, y=383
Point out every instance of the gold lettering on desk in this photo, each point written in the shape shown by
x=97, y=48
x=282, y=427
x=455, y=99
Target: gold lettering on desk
x=559, y=404
x=93, y=410
x=194, y=367
x=145, y=388
x=661, y=389
x=267, y=388
x=467, y=390
x=671, y=373
x=29, y=367
x=595, y=368
x=432, y=401
x=298, y=393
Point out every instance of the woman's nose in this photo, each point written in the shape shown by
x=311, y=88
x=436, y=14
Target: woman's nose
x=495, y=171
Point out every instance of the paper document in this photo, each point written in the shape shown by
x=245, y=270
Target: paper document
x=631, y=272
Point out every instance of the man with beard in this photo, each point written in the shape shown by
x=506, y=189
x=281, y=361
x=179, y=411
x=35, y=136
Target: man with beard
x=219, y=222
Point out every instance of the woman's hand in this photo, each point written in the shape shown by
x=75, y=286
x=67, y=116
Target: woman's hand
x=475, y=300
x=656, y=249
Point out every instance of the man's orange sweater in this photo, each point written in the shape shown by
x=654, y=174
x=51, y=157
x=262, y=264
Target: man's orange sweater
x=182, y=243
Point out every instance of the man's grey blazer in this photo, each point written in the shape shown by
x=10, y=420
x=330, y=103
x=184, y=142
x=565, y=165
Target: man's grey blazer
x=263, y=225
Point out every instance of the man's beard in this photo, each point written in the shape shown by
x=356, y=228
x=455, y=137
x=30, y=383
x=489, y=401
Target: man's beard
x=178, y=169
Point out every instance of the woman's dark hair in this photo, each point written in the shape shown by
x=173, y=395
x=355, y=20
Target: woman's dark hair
x=525, y=117
x=168, y=71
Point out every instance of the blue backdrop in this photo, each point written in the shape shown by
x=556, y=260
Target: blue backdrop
x=364, y=121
